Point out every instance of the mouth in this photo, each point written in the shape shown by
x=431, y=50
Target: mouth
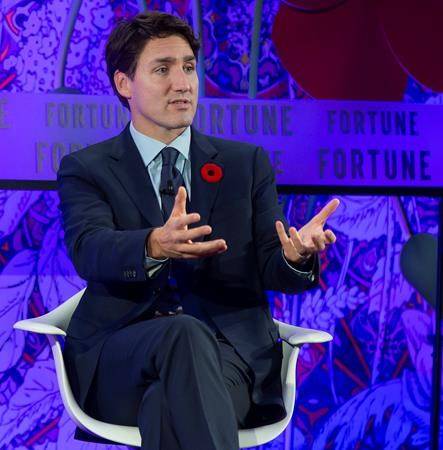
x=180, y=102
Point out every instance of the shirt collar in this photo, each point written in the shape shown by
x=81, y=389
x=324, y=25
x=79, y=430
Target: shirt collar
x=149, y=148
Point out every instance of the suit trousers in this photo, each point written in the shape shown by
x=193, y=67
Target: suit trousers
x=181, y=383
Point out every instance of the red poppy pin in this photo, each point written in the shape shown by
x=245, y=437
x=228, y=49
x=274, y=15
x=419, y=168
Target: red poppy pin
x=211, y=172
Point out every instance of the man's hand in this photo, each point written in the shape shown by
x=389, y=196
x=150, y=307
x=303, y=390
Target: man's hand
x=310, y=239
x=174, y=240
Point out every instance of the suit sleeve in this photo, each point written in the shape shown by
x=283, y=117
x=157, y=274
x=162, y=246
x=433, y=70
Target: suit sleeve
x=97, y=249
x=276, y=273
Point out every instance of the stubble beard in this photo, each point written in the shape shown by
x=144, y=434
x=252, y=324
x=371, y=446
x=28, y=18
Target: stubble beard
x=182, y=122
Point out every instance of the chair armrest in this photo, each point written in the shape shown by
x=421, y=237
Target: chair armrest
x=53, y=322
x=38, y=326
x=298, y=336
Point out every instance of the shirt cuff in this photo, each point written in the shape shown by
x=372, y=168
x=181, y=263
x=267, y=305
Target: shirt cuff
x=306, y=265
x=152, y=265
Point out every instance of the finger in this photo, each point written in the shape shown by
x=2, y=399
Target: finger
x=185, y=220
x=202, y=255
x=284, y=239
x=326, y=211
x=330, y=237
x=202, y=249
x=179, y=202
x=193, y=233
x=319, y=242
x=297, y=241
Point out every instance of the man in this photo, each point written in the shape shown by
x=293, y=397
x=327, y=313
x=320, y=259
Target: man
x=178, y=235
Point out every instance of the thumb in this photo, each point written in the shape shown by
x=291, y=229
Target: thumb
x=179, y=203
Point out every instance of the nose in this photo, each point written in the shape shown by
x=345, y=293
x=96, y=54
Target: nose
x=180, y=81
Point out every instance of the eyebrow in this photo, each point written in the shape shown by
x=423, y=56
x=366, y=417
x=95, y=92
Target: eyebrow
x=170, y=59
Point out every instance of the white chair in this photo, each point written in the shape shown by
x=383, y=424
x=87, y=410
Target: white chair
x=55, y=323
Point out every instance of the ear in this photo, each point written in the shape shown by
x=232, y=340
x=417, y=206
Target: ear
x=122, y=83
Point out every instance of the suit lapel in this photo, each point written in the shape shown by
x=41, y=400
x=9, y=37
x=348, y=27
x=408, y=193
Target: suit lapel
x=203, y=194
x=127, y=165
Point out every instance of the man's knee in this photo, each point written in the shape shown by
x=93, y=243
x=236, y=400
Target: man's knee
x=184, y=324
x=189, y=330
x=188, y=343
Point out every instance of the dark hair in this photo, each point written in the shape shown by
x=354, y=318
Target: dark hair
x=129, y=37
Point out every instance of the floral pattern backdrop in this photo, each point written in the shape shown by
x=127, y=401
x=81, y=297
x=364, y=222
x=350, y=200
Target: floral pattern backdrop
x=368, y=389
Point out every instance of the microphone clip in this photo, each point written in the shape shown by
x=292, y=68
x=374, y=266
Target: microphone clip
x=169, y=189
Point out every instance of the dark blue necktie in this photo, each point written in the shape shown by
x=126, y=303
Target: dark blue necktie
x=168, y=299
x=171, y=180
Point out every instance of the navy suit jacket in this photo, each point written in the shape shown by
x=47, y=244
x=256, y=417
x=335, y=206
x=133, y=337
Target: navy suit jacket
x=109, y=207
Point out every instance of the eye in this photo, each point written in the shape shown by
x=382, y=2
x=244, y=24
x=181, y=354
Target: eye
x=161, y=70
x=190, y=68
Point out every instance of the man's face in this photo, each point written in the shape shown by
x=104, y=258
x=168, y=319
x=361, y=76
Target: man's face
x=163, y=93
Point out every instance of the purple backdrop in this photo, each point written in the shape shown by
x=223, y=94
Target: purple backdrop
x=370, y=388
